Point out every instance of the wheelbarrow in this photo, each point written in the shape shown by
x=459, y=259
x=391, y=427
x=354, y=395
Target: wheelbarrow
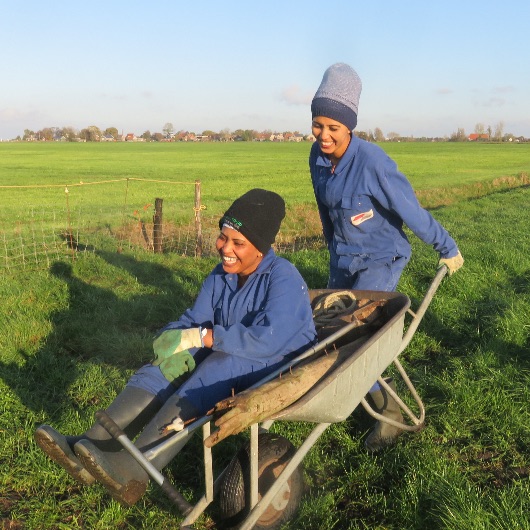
x=261, y=487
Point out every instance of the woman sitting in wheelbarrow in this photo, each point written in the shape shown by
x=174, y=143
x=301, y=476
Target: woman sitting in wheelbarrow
x=252, y=315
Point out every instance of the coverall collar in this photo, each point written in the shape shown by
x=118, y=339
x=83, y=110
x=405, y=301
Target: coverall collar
x=351, y=151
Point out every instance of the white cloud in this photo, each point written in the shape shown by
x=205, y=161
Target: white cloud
x=293, y=95
x=503, y=89
x=494, y=102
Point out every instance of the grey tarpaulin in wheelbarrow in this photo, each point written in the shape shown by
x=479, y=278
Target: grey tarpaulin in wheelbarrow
x=332, y=399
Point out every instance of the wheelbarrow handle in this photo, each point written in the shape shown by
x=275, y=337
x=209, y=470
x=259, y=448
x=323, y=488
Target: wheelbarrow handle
x=118, y=434
x=109, y=424
x=420, y=312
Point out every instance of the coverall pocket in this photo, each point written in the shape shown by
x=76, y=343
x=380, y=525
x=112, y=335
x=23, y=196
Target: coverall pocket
x=360, y=214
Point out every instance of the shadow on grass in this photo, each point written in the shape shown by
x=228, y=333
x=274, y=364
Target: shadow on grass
x=98, y=327
x=104, y=327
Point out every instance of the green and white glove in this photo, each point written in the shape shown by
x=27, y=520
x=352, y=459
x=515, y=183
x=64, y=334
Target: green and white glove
x=172, y=351
x=176, y=366
x=172, y=341
x=453, y=264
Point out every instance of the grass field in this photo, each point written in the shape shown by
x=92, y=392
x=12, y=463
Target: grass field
x=102, y=194
x=36, y=175
x=221, y=165
x=70, y=336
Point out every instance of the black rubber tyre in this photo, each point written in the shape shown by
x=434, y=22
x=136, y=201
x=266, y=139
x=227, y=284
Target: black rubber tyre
x=275, y=452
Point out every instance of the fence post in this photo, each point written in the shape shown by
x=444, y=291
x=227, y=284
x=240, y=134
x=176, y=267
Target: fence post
x=157, y=227
x=69, y=236
x=198, y=225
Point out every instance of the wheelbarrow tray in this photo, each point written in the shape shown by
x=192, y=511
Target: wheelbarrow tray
x=340, y=390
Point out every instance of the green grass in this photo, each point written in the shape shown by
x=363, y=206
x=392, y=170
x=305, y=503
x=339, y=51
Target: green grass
x=112, y=187
x=449, y=164
x=226, y=170
x=71, y=335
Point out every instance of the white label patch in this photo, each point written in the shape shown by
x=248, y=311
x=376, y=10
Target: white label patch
x=356, y=220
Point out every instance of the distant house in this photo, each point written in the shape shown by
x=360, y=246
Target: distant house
x=185, y=136
x=475, y=137
x=295, y=138
x=108, y=138
x=132, y=138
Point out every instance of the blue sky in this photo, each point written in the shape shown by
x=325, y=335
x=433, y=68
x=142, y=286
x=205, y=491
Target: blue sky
x=428, y=68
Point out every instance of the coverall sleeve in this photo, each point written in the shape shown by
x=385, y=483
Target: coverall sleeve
x=282, y=324
x=397, y=195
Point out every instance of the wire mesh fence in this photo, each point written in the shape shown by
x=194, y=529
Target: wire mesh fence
x=71, y=221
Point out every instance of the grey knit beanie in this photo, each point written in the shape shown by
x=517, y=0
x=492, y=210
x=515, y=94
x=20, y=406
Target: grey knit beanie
x=338, y=95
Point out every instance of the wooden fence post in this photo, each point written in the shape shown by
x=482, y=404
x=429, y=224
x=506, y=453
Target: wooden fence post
x=157, y=227
x=198, y=225
x=69, y=236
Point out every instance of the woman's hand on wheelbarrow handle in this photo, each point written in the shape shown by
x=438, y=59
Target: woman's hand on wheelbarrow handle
x=452, y=264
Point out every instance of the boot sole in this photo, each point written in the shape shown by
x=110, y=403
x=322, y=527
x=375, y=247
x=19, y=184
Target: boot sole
x=127, y=494
x=70, y=464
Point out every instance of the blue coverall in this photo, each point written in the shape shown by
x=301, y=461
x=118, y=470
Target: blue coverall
x=363, y=204
x=256, y=329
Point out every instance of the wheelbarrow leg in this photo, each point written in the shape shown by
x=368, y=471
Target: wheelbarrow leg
x=210, y=485
x=417, y=420
x=258, y=510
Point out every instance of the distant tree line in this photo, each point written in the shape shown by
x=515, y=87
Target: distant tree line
x=168, y=134
x=486, y=134
x=95, y=134
x=481, y=134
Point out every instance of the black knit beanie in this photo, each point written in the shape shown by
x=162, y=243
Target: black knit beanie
x=338, y=95
x=257, y=215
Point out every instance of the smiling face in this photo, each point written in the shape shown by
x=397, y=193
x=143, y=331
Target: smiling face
x=238, y=255
x=332, y=136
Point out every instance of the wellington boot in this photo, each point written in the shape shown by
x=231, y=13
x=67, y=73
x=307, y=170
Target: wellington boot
x=383, y=434
x=60, y=449
x=119, y=472
x=131, y=410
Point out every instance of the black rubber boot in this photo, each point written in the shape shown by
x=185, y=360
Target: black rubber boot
x=131, y=410
x=384, y=434
x=124, y=478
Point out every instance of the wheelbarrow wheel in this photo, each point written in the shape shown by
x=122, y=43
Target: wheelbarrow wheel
x=275, y=452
